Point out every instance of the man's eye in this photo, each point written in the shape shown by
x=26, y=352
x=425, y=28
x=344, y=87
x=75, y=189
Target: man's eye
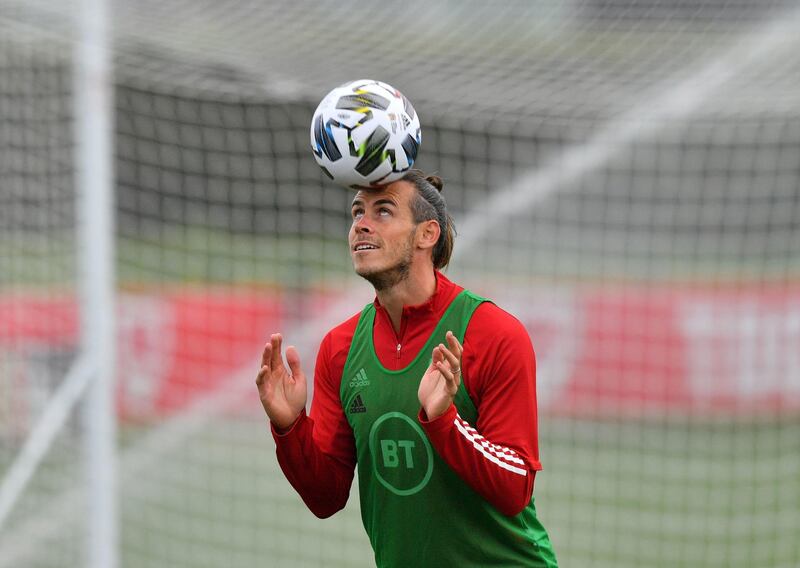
x=357, y=213
x=384, y=211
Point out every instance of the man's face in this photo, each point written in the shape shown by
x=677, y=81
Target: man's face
x=382, y=234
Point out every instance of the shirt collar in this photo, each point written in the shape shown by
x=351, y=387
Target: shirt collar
x=434, y=304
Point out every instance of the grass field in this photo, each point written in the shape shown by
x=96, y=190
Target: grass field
x=207, y=257
x=613, y=494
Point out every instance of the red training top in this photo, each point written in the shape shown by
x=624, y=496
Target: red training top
x=318, y=454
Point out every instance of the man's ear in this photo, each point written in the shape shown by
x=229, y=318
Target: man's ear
x=428, y=234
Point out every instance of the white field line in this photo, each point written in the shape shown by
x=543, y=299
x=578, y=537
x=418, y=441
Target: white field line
x=50, y=422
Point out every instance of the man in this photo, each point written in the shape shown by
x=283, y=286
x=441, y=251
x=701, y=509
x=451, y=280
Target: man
x=430, y=390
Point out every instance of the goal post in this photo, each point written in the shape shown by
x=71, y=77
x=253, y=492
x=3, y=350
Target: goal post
x=89, y=383
x=94, y=125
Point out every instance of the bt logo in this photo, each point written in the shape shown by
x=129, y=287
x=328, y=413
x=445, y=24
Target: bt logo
x=391, y=455
x=402, y=457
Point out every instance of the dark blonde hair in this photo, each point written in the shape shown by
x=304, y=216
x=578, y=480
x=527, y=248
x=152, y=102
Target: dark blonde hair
x=430, y=204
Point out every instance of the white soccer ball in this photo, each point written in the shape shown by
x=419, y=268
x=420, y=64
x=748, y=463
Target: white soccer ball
x=365, y=134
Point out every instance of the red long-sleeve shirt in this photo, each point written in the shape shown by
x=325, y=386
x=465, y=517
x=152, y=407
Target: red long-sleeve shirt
x=498, y=457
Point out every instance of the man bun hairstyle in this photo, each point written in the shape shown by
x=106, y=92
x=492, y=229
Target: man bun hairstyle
x=430, y=204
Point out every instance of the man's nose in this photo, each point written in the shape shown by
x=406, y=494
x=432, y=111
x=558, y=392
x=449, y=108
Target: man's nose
x=363, y=226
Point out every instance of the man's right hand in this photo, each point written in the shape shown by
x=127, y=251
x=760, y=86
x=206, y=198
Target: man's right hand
x=283, y=393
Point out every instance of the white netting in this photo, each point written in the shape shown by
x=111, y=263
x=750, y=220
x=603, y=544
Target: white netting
x=37, y=285
x=625, y=178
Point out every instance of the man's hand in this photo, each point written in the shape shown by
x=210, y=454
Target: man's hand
x=439, y=384
x=282, y=393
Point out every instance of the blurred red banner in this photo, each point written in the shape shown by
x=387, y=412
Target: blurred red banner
x=608, y=351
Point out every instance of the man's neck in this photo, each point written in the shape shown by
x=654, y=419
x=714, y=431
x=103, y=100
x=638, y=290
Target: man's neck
x=414, y=290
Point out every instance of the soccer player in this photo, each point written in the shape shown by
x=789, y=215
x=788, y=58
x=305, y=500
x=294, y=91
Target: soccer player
x=430, y=390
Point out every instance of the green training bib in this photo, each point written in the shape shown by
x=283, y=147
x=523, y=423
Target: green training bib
x=417, y=512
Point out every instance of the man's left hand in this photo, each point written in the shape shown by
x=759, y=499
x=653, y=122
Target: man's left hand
x=439, y=384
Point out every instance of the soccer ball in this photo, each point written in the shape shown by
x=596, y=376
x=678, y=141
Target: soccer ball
x=365, y=134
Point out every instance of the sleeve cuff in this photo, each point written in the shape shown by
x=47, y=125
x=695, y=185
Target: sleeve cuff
x=440, y=423
x=282, y=433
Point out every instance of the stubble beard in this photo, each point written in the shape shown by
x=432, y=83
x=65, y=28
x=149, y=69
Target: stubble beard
x=386, y=278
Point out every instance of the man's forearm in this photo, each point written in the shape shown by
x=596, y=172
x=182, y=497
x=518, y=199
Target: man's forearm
x=321, y=481
x=498, y=473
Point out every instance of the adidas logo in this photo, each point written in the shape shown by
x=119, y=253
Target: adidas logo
x=360, y=380
x=406, y=121
x=357, y=405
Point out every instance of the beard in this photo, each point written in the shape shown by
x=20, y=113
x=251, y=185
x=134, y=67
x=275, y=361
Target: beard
x=385, y=278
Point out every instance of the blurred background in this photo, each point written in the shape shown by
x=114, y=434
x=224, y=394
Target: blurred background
x=625, y=179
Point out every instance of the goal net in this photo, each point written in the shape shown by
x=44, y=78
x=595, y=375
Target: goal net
x=624, y=177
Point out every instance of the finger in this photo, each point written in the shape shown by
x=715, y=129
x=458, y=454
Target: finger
x=266, y=354
x=450, y=378
x=267, y=389
x=455, y=364
x=431, y=367
x=262, y=373
x=454, y=343
x=436, y=356
x=293, y=358
x=276, y=361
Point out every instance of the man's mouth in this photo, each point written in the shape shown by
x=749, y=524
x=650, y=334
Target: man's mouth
x=358, y=247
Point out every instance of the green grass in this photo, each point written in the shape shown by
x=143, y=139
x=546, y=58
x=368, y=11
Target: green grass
x=197, y=255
